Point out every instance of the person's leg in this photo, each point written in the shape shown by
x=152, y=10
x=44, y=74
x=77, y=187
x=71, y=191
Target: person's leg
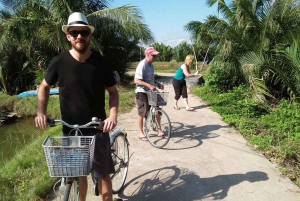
x=186, y=102
x=176, y=86
x=160, y=132
x=82, y=188
x=143, y=108
x=185, y=96
x=176, y=102
x=105, y=188
x=141, y=125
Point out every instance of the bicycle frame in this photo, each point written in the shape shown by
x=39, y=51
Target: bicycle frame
x=157, y=125
x=154, y=111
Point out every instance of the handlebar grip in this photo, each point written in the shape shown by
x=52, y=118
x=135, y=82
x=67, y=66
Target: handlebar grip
x=100, y=126
x=51, y=122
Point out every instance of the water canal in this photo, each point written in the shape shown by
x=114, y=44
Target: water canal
x=15, y=135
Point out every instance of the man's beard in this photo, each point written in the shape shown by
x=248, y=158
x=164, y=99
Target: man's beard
x=80, y=45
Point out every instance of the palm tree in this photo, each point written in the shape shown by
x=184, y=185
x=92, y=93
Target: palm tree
x=247, y=28
x=276, y=65
x=34, y=28
x=166, y=52
x=181, y=51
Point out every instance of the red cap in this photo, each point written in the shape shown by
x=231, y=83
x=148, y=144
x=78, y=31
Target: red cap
x=151, y=50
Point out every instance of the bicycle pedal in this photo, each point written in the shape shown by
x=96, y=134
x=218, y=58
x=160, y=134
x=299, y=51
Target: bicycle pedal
x=95, y=187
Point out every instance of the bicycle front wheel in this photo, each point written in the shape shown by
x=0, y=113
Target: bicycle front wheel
x=72, y=190
x=156, y=120
x=120, y=155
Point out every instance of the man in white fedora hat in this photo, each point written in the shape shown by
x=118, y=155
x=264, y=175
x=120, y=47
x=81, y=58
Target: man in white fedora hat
x=83, y=75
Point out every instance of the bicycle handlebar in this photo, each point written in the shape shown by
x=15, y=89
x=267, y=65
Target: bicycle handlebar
x=91, y=124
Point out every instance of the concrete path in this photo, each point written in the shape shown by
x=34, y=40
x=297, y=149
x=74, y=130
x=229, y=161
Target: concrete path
x=204, y=160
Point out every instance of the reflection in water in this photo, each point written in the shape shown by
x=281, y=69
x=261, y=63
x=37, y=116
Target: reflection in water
x=16, y=135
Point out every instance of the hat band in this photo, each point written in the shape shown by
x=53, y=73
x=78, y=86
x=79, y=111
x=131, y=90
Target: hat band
x=78, y=22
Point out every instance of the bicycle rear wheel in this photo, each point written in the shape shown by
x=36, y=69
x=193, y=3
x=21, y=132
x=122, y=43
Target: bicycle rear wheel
x=157, y=118
x=120, y=155
x=72, y=190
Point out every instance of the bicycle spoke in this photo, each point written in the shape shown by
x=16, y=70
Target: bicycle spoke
x=120, y=155
x=155, y=122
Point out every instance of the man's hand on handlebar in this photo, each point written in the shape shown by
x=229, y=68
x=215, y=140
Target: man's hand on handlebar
x=161, y=86
x=110, y=124
x=157, y=85
x=41, y=121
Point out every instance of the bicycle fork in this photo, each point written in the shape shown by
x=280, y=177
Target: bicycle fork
x=63, y=182
x=154, y=123
x=62, y=186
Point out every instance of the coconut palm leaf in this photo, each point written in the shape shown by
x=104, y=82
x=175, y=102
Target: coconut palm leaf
x=34, y=27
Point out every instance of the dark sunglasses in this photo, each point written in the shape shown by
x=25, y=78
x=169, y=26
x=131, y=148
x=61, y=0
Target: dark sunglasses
x=83, y=33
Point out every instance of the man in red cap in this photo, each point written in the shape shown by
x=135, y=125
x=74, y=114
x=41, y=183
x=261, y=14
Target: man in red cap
x=144, y=80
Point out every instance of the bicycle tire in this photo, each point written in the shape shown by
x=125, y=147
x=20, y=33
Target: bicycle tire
x=72, y=190
x=151, y=128
x=120, y=154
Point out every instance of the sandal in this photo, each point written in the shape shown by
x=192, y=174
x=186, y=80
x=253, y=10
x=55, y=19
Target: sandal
x=176, y=107
x=189, y=109
x=143, y=138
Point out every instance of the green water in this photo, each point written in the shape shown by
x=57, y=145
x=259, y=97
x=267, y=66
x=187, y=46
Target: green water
x=15, y=135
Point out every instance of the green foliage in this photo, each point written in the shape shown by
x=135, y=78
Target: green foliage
x=162, y=67
x=262, y=143
x=275, y=132
x=30, y=35
x=258, y=36
x=181, y=51
x=27, y=107
x=165, y=52
x=287, y=118
x=222, y=78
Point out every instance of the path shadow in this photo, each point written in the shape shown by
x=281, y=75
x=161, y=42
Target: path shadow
x=199, y=107
x=172, y=183
x=182, y=132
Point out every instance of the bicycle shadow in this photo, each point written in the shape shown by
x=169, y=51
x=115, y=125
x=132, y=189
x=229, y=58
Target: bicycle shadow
x=172, y=183
x=182, y=133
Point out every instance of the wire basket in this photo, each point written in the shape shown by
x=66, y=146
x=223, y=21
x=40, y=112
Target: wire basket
x=157, y=98
x=70, y=156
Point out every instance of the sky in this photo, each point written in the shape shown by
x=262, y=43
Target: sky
x=166, y=18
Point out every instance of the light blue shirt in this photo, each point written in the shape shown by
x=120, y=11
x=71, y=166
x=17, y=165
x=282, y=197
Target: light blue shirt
x=145, y=72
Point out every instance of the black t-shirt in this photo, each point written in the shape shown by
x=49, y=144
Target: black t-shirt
x=81, y=86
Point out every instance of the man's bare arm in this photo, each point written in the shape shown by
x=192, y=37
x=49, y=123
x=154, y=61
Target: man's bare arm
x=111, y=121
x=43, y=98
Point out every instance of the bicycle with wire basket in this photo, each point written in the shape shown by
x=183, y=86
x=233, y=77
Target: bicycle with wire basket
x=69, y=157
x=157, y=119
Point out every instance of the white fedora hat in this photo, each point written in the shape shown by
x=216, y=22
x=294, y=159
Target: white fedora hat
x=77, y=19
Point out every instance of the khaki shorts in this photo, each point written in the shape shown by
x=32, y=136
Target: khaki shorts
x=142, y=103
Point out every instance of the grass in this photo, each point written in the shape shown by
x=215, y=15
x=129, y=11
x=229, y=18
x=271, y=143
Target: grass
x=25, y=177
